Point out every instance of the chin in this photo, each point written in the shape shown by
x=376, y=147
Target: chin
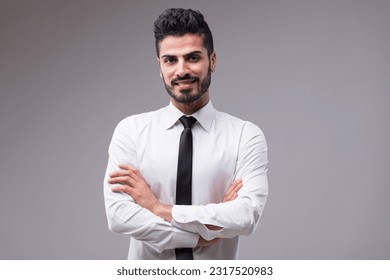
x=185, y=98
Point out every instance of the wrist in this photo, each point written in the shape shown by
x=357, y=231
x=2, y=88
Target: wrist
x=163, y=210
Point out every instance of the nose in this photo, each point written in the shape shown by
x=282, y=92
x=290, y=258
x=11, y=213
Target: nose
x=182, y=68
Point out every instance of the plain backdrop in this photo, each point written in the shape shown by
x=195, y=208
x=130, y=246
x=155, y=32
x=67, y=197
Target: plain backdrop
x=314, y=75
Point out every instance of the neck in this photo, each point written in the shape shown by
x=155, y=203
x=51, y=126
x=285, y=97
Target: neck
x=190, y=108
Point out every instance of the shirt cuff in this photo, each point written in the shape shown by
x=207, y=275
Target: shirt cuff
x=184, y=217
x=184, y=239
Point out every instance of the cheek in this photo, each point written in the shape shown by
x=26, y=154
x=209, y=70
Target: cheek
x=166, y=74
x=201, y=70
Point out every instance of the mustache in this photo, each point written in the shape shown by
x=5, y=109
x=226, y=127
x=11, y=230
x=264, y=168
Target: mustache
x=185, y=77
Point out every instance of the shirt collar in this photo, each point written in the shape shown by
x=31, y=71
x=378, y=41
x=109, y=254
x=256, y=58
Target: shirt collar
x=204, y=116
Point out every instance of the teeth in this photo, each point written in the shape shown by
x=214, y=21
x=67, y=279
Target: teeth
x=185, y=83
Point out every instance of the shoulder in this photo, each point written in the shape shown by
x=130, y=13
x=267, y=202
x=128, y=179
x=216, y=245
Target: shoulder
x=137, y=122
x=237, y=124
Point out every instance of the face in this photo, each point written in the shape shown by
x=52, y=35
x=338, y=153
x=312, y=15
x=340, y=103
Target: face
x=185, y=68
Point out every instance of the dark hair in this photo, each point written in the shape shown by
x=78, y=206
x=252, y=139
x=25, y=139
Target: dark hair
x=177, y=22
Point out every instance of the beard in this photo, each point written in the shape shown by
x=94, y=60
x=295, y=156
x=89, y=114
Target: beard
x=189, y=95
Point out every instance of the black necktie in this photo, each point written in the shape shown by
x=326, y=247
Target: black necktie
x=184, y=176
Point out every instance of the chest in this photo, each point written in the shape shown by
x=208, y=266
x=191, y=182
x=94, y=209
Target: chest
x=214, y=163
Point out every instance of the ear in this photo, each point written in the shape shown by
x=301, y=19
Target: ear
x=213, y=61
x=158, y=62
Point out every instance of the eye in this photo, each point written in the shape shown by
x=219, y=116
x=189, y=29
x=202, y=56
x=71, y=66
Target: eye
x=170, y=60
x=194, y=58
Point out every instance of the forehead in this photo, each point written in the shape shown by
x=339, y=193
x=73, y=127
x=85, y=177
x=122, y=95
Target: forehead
x=181, y=45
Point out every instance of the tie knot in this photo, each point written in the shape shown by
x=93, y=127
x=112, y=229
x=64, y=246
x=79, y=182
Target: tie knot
x=187, y=122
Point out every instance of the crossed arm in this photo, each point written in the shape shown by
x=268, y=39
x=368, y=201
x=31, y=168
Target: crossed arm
x=129, y=180
x=133, y=209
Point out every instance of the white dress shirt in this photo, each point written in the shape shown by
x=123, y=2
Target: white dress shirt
x=225, y=148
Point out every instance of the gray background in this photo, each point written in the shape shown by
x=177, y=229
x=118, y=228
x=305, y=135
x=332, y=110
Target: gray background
x=314, y=75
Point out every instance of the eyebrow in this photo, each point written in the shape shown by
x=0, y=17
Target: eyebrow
x=186, y=55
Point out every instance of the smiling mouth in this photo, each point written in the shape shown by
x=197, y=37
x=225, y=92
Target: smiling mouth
x=185, y=82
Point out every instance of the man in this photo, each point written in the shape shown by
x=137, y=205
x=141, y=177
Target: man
x=224, y=168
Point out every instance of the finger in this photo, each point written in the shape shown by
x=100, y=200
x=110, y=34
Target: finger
x=122, y=188
x=203, y=242
x=123, y=180
x=231, y=188
x=228, y=198
x=214, y=241
x=134, y=173
x=232, y=191
x=119, y=173
x=127, y=167
x=237, y=187
x=126, y=172
x=234, y=194
x=124, y=169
